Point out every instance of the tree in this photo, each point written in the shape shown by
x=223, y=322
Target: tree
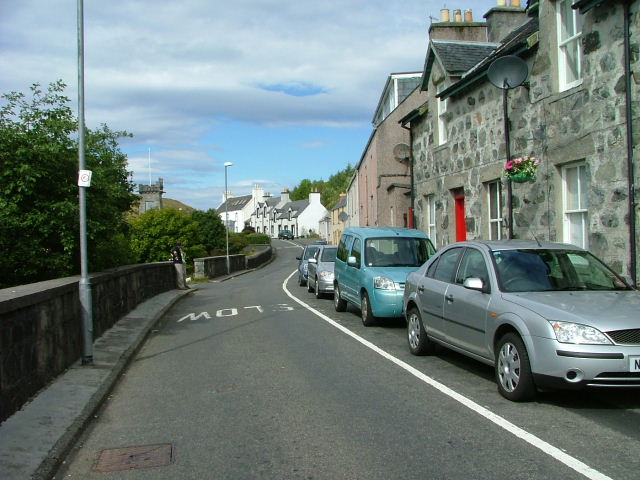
x=39, y=194
x=329, y=191
x=156, y=231
x=211, y=229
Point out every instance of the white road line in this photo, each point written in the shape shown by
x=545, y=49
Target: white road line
x=546, y=448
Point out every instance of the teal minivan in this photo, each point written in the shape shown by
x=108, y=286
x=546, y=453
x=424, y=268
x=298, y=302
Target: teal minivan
x=371, y=268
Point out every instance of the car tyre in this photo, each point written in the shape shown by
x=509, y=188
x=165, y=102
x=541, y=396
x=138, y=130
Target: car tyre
x=419, y=343
x=368, y=320
x=309, y=287
x=339, y=304
x=316, y=290
x=301, y=282
x=513, y=370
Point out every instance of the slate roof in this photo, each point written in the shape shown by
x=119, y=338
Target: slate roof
x=515, y=43
x=456, y=57
x=297, y=207
x=341, y=203
x=235, y=203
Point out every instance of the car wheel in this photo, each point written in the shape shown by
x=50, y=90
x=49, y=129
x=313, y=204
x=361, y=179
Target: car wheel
x=339, y=304
x=317, y=289
x=368, y=319
x=513, y=371
x=301, y=281
x=419, y=343
x=309, y=287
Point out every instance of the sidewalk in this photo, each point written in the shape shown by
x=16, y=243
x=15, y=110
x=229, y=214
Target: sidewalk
x=37, y=438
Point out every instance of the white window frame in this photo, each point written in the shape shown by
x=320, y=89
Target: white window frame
x=494, y=197
x=580, y=236
x=569, y=33
x=442, y=123
x=431, y=218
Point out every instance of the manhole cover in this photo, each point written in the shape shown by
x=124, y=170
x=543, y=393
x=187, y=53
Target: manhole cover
x=134, y=457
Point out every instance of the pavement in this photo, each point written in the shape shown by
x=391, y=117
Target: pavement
x=37, y=438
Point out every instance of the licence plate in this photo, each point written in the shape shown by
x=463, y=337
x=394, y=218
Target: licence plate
x=634, y=364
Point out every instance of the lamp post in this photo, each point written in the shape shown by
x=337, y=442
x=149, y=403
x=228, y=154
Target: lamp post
x=226, y=212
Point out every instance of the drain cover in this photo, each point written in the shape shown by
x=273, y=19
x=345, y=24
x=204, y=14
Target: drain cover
x=134, y=457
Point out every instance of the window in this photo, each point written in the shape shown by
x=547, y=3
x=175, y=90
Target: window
x=472, y=266
x=569, y=22
x=494, y=190
x=431, y=218
x=442, y=123
x=343, y=247
x=447, y=265
x=356, y=251
x=575, y=204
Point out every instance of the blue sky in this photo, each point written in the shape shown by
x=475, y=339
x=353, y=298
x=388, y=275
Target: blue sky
x=285, y=90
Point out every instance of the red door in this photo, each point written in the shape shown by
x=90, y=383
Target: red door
x=461, y=224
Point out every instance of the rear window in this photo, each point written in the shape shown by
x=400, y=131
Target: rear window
x=397, y=251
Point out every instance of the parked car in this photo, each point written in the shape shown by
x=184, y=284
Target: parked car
x=544, y=315
x=286, y=234
x=320, y=270
x=303, y=263
x=372, y=265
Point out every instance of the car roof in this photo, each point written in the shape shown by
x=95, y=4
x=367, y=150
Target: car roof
x=516, y=244
x=372, y=232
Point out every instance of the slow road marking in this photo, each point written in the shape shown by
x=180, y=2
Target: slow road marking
x=531, y=439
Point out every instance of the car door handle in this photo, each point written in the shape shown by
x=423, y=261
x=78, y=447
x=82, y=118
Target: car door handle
x=449, y=298
x=421, y=289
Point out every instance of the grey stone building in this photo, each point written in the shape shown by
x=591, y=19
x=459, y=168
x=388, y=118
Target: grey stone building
x=150, y=196
x=577, y=113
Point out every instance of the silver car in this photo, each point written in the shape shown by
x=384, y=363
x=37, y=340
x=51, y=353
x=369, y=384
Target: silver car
x=320, y=269
x=544, y=315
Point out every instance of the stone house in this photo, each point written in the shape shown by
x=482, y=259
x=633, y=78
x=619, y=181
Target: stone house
x=577, y=113
x=150, y=196
x=383, y=172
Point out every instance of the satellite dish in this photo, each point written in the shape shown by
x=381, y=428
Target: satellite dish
x=508, y=72
x=401, y=152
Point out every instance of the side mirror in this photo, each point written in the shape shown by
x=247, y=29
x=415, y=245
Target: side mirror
x=298, y=258
x=473, y=283
x=313, y=260
x=352, y=262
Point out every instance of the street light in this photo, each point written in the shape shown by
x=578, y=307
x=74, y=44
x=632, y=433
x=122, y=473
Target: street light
x=226, y=212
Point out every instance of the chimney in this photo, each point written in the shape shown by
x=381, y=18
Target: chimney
x=503, y=19
x=284, y=197
x=460, y=27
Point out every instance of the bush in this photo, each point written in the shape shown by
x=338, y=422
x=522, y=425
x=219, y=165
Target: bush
x=258, y=239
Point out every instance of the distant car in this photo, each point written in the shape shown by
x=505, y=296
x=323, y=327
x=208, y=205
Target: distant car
x=320, y=241
x=320, y=270
x=303, y=263
x=285, y=234
x=371, y=267
x=544, y=315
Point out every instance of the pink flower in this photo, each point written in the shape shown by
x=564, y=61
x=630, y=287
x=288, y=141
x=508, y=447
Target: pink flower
x=518, y=161
x=508, y=165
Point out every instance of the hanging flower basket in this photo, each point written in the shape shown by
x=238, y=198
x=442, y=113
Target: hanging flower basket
x=521, y=169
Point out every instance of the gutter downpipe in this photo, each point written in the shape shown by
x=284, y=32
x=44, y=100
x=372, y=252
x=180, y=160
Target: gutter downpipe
x=412, y=223
x=630, y=166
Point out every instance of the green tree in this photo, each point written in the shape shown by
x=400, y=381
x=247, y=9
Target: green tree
x=39, y=194
x=155, y=232
x=211, y=229
x=329, y=190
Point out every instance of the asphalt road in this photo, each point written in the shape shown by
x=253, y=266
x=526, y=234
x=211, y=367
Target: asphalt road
x=253, y=378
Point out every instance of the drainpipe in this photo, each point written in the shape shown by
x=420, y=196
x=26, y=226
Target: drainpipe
x=412, y=223
x=630, y=169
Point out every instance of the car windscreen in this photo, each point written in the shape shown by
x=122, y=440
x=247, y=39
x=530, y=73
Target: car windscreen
x=328, y=255
x=538, y=270
x=397, y=251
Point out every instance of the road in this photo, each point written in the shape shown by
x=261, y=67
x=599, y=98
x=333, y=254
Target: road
x=253, y=378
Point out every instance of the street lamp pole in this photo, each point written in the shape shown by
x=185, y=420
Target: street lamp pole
x=226, y=212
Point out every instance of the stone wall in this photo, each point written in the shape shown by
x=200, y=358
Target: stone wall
x=40, y=324
x=212, y=267
x=583, y=124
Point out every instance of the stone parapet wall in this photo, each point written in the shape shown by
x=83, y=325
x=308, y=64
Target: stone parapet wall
x=212, y=267
x=40, y=324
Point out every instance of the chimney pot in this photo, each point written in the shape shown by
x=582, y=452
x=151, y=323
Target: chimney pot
x=457, y=15
x=468, y=16
x=444, y=15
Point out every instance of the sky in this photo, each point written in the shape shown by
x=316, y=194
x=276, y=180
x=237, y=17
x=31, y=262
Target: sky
x=283, y=89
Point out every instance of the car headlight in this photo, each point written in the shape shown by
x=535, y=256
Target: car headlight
x=384, y=283
x=567, y=332
x=326, y=275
